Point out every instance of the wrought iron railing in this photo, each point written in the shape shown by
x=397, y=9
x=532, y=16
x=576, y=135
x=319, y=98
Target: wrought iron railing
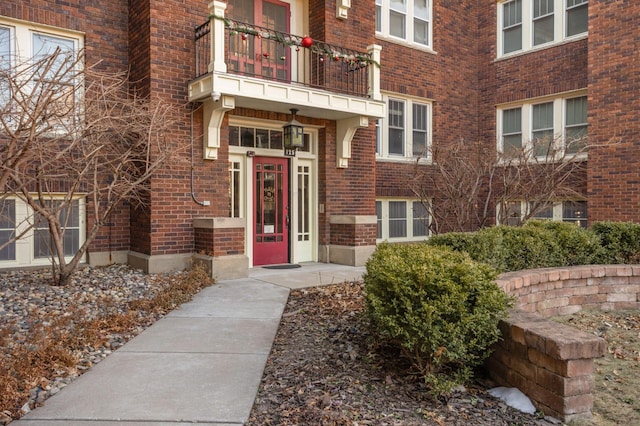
x=203, y=48
x=265, y=53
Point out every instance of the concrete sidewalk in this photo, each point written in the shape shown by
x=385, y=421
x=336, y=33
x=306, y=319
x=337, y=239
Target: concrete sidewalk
x=200, y=364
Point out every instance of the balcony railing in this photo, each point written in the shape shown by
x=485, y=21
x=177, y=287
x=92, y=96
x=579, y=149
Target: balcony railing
x=264, y=53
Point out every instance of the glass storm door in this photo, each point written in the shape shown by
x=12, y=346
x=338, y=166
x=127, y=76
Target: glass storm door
x=271, y=218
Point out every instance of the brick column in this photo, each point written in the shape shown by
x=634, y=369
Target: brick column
x=219, y=245
x=352, y=239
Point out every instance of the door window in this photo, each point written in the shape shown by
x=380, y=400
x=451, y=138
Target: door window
x=255, y=55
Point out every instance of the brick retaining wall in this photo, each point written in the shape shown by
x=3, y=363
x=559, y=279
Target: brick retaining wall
x=550, y=362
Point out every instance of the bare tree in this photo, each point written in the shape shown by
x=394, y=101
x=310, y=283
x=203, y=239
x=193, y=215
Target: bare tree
x=68, y=132
x=538, y=174
x=460, y=177
x=467, y=183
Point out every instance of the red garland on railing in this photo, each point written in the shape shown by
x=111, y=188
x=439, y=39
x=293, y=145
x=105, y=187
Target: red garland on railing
x=297, y=41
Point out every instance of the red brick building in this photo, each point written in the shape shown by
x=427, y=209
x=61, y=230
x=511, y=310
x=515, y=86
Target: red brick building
x=375, y=84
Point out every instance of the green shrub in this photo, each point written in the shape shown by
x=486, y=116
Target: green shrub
x=507, y=248
x=537, y=244
x=620, y=242
x=458, y=241
x=529, y=247
x=485, y=246
x=438, y=305
x=578, y=246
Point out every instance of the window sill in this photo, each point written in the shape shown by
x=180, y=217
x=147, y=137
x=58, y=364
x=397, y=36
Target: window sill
x=404, y=43
x=404, y=160
x=537, y=49
x=402, y=239
x=569, y=158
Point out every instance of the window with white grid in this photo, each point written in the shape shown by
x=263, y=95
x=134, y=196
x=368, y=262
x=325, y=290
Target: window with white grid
x=405, y=21
x=524, y=25
x=402, y=220
x=405, y=134
x=546, y=127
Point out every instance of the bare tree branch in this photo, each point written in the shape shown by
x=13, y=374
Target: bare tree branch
x=70, y=132
x=467, y=183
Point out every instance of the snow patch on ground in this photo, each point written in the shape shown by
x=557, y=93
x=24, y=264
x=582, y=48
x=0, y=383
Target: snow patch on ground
x=513, y=398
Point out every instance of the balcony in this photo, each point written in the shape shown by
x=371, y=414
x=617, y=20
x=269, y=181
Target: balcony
x=241, y=64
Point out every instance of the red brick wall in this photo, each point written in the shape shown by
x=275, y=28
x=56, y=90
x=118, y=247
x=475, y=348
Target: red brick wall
x=140, y=241
x=105, y=27
x=166, y=223
x=203, y=241
x=353, y=235
x=317, y=18
x=393, y=179
x=219, y=242
x=448, y=76
x=104, y=23
x=345, y=191
x=544, y=72
x=229, y=242
x=324, y=164
x=139, y=53
x=540, y=73
x=356, y=32
x=350, y=190
x=140, y=62
x=614, y=121
x=461, y=76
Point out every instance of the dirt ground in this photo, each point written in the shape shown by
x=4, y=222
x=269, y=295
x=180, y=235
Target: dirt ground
x=617, y=374
x=325, y=369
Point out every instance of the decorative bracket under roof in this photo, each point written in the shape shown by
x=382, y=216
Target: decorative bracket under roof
x=342, y=8
x=346, y=129
x=213, y=115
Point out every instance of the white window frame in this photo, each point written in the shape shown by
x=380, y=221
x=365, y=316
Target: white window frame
x=560, y=27
x=237, y=173
x=382, y=207
x=557, y=213
x=24, y=246
x=383, y=12
x=548, y=13
x=8, y=227
x=574, y=7
x=22, y=35
x=567, y=126
x=513, y=24
x=7, y=61
x=559, y=122
x=382, y=130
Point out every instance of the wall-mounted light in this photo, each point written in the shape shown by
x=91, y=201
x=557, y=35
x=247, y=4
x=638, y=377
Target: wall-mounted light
x=293, y=132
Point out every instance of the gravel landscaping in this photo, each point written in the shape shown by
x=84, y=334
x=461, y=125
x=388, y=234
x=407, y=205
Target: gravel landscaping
x=49, y=335
x=325, y=367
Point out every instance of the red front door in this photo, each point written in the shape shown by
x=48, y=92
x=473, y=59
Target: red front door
x=271, y=217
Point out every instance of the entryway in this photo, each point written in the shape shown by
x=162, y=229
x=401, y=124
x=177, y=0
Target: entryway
x=277, y=194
